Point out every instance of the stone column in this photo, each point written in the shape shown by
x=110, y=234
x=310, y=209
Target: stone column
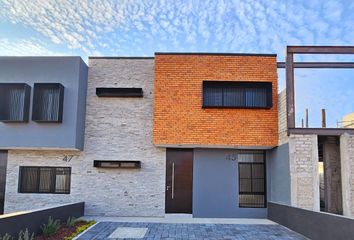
x=347, y=172
x=304, y=175
x=332, y=176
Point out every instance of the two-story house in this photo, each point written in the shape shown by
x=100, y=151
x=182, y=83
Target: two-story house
x=189, y=133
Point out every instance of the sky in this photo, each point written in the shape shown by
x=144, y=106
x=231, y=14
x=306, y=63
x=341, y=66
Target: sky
x=142, y=27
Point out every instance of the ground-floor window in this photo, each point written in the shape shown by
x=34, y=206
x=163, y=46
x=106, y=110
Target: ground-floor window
x=252, y=183
x=44, y=180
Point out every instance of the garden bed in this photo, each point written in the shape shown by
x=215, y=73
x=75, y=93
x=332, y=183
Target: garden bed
x=67, y=233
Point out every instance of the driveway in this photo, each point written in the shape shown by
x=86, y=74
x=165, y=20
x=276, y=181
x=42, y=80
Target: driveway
x=170, y=231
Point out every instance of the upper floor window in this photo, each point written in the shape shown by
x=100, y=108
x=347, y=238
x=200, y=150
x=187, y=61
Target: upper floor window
x=48, y=101
x=14, y=102
x=237, y=94
x=44, y=180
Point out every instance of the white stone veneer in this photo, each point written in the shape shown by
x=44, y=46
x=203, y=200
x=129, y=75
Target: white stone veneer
x=347, y=172
x=304, y=175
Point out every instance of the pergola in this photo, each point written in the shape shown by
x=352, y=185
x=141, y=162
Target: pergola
x=290, y=65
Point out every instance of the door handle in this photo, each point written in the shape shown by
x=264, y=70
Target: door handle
x=168, y=188
x=173, y=181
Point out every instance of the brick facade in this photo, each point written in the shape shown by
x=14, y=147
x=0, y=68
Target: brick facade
x=179, y=118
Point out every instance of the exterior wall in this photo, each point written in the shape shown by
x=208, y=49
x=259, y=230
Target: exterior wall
x=304, y=171
x=180, y=120
x=347, y=172
x=3, y=164
x=71, y=73
x=215, y=186
x=279, y=174
x=332, y=176
x=116, y=129
x=282, y=118
x=348, y=121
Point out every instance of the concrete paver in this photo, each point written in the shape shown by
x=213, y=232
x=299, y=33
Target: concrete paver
x=179, y=231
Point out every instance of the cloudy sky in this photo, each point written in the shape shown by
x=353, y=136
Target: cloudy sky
x=142, y=27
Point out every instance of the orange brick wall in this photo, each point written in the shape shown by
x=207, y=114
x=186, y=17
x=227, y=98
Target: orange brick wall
x=179, y=118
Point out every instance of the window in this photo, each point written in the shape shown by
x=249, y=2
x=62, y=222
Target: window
x=237, y=94
x=45, y=180
x=252, y=185
x=14, y=102
x=48, y=102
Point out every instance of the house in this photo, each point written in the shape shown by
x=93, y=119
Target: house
x=197, y=133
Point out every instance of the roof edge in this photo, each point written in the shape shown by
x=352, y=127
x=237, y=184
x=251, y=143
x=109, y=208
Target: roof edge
x=102, y=57
x=217, y=54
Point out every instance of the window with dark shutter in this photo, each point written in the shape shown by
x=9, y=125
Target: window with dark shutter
x=252, y=185
x=14, y=102
x=48, y=101
x=45, y=180
x=237, y=94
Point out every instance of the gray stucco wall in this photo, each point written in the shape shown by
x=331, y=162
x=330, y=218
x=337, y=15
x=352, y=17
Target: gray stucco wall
x=116, y=129
x=215, y=186
x=279, y=174
x=71, y=72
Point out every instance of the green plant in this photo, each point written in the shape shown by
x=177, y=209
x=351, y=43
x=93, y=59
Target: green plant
x=71, y=222
x=6, y=237
x=51, y=227
x=25, y=235
x=80, y=229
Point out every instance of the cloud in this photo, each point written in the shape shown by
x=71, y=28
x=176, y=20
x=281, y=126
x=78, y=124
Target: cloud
x=232, y=26
x=24, y=48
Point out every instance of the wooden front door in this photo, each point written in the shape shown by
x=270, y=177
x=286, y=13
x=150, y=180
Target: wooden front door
x=179, y=180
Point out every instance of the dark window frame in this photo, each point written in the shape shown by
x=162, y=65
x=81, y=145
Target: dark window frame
x=5, y=104
x=239, y=84
x=36, y=103
x=264, y=193
x=52, y=189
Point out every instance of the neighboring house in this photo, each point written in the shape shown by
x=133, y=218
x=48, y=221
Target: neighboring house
x=175, y=133
x=347, y=121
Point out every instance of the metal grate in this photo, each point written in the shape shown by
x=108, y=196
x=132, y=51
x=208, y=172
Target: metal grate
x=14, y=102
x=252, y=183
x=237, y=94
x=48, y=102
x=45, y=180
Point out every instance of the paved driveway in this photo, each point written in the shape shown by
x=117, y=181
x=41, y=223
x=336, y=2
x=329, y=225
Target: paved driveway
x=170, y=231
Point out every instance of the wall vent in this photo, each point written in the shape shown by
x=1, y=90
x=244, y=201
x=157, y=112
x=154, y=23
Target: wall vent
x=119, y=92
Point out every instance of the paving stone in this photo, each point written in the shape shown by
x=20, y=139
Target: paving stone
x=166, y=231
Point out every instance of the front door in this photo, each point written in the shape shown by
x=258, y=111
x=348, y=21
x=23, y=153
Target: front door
x=179, y=180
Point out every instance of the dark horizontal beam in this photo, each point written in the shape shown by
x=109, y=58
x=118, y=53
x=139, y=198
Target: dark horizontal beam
x=321, y=49
x=321, y=131
x=319, y=65
x=217, y=54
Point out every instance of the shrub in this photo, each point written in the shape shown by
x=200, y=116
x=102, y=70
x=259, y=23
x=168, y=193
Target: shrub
x=71, y=222
x=25, y=235
x=51, y=227
x=6, y=237
x=80, y=229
